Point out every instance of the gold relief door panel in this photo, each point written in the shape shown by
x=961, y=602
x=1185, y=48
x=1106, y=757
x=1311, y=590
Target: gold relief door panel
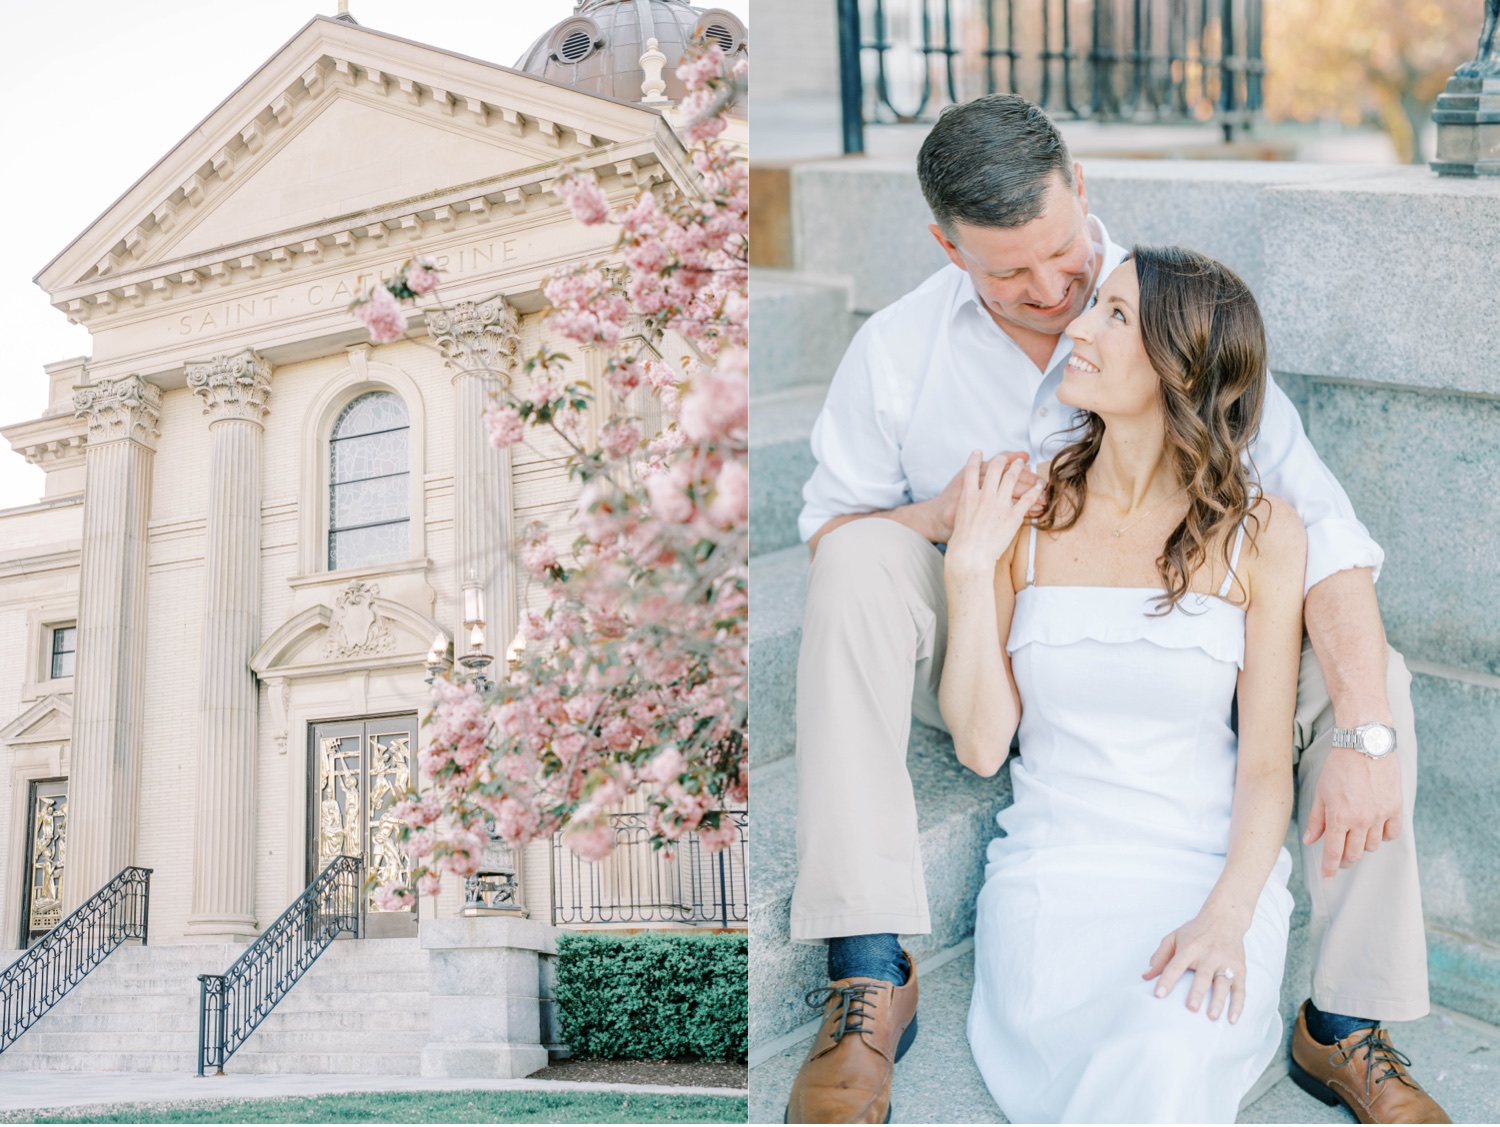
x=46, y=855
x=360, y=769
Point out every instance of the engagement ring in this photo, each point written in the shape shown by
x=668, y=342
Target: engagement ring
x=1226, y=974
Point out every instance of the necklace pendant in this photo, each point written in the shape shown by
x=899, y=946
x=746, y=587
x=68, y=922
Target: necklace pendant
x=1114, y=531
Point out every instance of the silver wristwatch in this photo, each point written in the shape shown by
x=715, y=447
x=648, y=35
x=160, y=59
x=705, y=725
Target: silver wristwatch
x=1374, y=740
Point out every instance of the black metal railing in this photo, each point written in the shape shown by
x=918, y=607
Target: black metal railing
x=232, y=1004
x=636, y=884
x=60, y=960
x=902, y=61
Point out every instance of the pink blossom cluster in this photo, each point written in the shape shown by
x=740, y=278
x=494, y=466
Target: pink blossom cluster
x=634, y=682
x=382, y=314
x=380, y=307
x=587, y=307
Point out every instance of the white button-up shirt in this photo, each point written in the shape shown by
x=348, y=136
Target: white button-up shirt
x=932, y=377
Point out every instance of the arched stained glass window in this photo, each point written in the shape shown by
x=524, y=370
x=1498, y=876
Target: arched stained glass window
x=368, y=522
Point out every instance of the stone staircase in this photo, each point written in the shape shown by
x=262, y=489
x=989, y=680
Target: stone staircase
x=801, y=325
x=362, y=1008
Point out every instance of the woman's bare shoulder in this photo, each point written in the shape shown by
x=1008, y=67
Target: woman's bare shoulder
x=1279, y=546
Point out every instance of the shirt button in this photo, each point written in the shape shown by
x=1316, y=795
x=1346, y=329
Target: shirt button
x=1043, y=412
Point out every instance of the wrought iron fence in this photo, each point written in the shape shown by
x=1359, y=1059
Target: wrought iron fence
x=232, y=1004
x=636, y=884
x=901, y=61
x=60, y=960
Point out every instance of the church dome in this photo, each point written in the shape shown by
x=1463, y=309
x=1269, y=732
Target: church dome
x=598, y=48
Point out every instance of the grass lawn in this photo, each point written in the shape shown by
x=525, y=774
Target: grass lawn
x=417, y=1107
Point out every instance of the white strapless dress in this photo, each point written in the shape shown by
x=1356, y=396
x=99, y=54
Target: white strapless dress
x=1118, y=831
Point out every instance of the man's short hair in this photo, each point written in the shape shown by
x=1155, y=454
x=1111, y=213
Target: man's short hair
x=988, y=163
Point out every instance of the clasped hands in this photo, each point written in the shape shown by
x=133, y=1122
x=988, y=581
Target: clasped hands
x=984, y=506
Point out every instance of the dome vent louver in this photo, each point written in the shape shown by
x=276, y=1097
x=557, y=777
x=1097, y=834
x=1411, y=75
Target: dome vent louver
x=576, y=46
x=718, y=33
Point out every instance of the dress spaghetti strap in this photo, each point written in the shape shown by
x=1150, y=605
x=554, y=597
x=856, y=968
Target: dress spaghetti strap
x=1239, y=542
x=1031, y=558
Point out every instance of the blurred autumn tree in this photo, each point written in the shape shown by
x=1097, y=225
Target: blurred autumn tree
x=1349, y=59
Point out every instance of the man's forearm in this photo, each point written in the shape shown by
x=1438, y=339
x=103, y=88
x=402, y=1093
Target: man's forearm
x=918, y=516
x=1343, y=620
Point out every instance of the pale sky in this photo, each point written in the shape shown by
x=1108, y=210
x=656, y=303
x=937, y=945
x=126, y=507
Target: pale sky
x=96, y=91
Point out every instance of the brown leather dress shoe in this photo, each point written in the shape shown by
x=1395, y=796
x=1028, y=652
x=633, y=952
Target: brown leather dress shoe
x=867, y=1027
x=1365, y=1073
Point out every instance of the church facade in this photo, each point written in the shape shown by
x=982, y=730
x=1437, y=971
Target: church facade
x=256, y=523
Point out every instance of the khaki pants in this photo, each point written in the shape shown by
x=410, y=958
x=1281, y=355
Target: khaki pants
x=873, y=640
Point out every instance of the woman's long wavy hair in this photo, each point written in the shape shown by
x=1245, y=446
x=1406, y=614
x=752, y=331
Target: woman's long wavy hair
x=1203, y=334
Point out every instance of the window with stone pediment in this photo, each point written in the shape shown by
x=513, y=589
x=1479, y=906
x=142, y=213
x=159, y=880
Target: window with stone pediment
x=368, y=479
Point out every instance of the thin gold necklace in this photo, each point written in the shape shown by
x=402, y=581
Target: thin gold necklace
x=1147, y=513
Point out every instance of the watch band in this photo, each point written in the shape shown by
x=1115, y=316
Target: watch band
x=1355, y=738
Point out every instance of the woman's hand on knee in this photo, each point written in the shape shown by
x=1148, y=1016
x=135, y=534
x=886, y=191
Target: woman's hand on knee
x=1213, y=948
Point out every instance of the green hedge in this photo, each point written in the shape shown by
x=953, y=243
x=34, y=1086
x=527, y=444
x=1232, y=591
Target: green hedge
x=655, y=995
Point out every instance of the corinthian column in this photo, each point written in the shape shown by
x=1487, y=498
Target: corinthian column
x=234, y=387
x=108, y=694
x=480, y=342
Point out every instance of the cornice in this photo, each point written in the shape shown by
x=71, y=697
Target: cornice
x=51, y=442
x=324, y=57
x=308, y=248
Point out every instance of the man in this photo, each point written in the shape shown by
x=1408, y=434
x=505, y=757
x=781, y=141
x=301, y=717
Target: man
x=971, y=360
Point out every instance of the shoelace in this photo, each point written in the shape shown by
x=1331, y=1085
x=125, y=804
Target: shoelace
x=1382, y=1052
x=852, y=1002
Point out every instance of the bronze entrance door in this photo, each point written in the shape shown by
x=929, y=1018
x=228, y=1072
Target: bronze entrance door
x=360, y=769
x=46, y=848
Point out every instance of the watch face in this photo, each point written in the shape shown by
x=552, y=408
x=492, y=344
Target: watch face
x=1378, y=739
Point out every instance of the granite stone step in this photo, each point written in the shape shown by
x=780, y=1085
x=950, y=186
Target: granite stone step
x=307, y=998
x=937, y=1082
x=363, y=1001
x=272, y=1041
x=778, y=587
x=955, y=817
x=380, y=1019
x=800, y=327
x=781, y=461
x=20, y=1059
x=326, y=1063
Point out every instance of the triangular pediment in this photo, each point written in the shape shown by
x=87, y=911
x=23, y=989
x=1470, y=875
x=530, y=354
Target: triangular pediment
x=349, y=154
x=341, y=120
x=49, y=720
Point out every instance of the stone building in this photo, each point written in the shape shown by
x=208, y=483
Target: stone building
x=216, y=621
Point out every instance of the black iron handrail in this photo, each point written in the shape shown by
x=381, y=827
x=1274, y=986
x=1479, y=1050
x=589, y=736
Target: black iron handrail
x=232, y=1004
x=901, y=61
x=60, y=960
x=636, y=884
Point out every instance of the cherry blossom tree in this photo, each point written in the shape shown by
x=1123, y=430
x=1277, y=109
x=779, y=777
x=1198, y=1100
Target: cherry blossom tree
x=634, y=677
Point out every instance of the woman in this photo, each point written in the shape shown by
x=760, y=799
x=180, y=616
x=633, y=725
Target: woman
x=1132, y=928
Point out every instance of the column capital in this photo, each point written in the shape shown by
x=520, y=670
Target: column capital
x=478, y=335
x=234, y=385
x=127, y=407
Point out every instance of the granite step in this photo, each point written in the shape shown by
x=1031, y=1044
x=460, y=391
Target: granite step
x=362, y=1001
x=937, y=1081
x=781, y=461
x=246, y=1062
x=778, y=590
x=800, y=327
x=955, y=817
